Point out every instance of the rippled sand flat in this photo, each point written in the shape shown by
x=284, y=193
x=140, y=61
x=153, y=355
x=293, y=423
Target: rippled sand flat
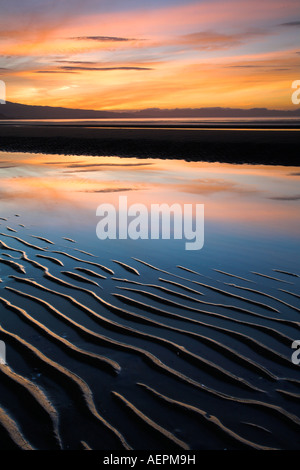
x=142, y=344
x=186, y=361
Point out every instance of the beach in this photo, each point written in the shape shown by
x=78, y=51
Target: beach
x=149, y=232
x=258, y=143
x=140, y=344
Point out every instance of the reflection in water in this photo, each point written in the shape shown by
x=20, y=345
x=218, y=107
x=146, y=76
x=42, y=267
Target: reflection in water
x=100, y=328
x=242, y=202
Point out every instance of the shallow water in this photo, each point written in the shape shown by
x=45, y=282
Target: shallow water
x=250, y=211
x=215, y=336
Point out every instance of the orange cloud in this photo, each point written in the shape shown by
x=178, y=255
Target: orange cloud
x=191, y=55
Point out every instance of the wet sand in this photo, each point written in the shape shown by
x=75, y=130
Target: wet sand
x=239, y=144
x=185, y=361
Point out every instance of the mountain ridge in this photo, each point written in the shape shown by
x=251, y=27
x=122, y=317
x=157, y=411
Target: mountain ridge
x=22, y=111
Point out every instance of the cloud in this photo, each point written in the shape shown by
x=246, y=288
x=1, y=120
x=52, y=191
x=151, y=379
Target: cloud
x=80, y=62
x=102, y=39
x=212, y=186
x=216, y=40
x=5, y=165
x=245, y=66
x=107, y=190
x=78, y=68
x=286, y=198
x=54, y=71
x=124, y=38
x=77, y=168
x=95, y=165
x=252, y=66
x=213, y=40
x=266, y=68
x=291, y=24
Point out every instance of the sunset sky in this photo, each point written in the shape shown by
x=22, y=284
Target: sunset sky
x=135, y=54
x=249, y=195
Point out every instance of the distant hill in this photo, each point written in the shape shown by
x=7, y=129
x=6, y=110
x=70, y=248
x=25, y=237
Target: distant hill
x=22, y=111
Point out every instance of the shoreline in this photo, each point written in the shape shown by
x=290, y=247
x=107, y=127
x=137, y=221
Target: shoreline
x=235, y=144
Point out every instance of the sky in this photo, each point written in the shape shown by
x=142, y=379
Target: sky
x=136, y=54
x=253, y=198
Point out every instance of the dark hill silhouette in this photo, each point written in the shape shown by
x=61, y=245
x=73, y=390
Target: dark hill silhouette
x=22, y=111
